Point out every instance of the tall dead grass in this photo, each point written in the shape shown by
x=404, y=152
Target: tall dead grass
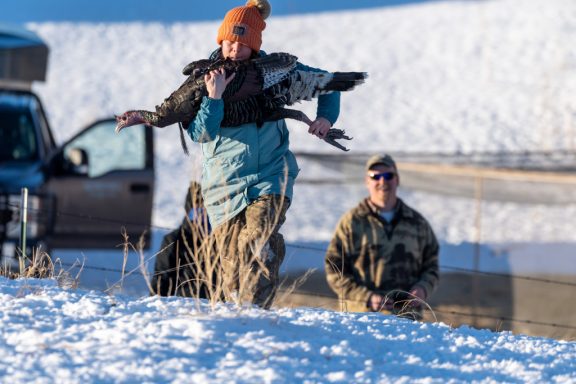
x=218, y=269
x=41, y=266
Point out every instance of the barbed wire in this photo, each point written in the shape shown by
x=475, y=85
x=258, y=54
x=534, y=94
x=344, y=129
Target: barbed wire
x=297, y=246
x=86, y=217
x=103, y=269
x=473, y=315
x=335, y=298
x=504, y=318
x=504, y=275
x=136, y=271
x=472, y=271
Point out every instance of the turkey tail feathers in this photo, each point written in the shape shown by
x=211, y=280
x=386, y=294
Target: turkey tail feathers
x=345, y=81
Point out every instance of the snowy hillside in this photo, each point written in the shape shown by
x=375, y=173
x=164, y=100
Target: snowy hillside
x=75, y=336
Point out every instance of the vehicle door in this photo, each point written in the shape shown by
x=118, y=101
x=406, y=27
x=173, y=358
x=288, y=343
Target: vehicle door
x=103, y=187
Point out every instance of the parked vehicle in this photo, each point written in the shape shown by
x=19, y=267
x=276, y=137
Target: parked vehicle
x=82, y=194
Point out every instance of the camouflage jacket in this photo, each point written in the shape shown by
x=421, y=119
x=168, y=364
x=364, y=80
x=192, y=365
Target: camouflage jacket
x=368, y=254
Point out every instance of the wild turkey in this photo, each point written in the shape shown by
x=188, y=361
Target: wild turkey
x=258, y=93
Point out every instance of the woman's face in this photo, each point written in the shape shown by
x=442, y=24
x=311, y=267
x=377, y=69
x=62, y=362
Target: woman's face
x=236, y=51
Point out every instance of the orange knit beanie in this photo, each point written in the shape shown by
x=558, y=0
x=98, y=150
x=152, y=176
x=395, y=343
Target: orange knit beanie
x=245, y=24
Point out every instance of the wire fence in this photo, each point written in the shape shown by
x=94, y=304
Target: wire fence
x=460, y=269
x=316, y=295
x=298, y=246
x=136, y=271
x=458, y=313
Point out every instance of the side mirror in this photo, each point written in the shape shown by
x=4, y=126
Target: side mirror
x=77, y=159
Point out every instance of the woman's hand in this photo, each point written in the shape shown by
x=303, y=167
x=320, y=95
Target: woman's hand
x=216, y=82
x=320, y=127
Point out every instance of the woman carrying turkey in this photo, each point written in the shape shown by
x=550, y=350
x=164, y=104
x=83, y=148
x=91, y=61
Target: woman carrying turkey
x=248, y=170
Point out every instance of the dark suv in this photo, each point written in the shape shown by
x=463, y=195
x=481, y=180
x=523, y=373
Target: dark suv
x=82, y=194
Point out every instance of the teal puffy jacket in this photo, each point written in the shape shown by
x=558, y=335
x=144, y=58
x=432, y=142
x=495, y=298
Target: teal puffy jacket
x=244, y=162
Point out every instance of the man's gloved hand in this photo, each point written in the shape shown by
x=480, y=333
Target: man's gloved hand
x=377, y=302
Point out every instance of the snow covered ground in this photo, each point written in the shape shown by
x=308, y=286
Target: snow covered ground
x=76, y=336
x=446, y=76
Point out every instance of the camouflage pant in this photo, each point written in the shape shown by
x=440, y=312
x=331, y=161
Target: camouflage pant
x=253, y=250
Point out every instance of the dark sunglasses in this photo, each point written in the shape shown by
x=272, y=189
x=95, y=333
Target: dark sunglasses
x=384, y=175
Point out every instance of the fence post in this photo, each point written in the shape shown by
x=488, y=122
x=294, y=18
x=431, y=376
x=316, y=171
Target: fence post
x=478, y=195
x=23, y=222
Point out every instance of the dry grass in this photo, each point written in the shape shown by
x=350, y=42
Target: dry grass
x=219, y=267
x=289, y=289
x=41, y=266
x=235, y=272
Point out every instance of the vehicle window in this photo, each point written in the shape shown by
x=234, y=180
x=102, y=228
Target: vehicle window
x=108, y=151
x=18, y=140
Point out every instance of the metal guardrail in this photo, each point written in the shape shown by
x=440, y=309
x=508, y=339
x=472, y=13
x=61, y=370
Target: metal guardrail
x=557, y=160
x=543, y=178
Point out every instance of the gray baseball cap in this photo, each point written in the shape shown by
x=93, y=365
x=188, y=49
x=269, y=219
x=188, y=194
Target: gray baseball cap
x=380, y=159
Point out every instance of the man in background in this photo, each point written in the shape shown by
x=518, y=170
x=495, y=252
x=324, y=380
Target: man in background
x=384, y=255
